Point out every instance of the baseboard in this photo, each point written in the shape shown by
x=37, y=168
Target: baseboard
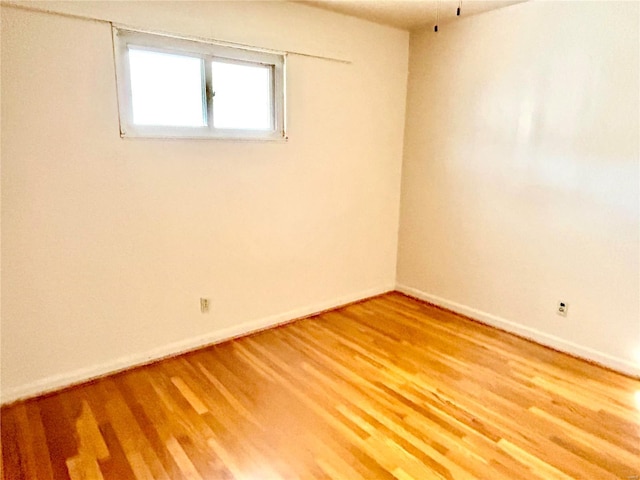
x=614, y=363
x=67, y=379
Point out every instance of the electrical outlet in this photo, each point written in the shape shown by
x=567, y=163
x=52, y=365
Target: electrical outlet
x=562, y=308
x=204, y=305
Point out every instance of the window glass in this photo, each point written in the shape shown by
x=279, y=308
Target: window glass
x=243, y=98
x=166, y=89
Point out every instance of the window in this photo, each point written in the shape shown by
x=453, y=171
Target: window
x=173, y=87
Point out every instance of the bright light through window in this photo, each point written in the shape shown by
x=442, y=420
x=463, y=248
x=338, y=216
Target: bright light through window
x=166, y=89
x=242, y=96
x=172, y=87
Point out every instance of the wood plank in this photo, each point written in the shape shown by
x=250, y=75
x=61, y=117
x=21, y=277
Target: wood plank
x=387, y=388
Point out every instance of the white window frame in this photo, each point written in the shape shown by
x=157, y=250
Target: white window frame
x=207, y=52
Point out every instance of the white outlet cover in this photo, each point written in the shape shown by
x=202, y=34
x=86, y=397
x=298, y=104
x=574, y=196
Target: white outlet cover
x=562, y=308
x=204, y=305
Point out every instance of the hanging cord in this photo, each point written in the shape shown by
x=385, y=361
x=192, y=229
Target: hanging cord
x=435, y=28
x=459, y=8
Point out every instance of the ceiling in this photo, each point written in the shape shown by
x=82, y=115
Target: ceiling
x=409, y=14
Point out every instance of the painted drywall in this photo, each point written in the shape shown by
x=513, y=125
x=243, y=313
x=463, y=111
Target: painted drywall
x=520, y=182
x=108, y=243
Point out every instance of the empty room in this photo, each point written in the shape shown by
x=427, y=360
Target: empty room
x=279, y=240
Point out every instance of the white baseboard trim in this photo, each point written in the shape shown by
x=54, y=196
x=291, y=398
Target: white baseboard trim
x=81, y=375
x=614, y=363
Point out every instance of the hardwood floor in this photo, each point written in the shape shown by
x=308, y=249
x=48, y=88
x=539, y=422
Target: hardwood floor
x=386, y=388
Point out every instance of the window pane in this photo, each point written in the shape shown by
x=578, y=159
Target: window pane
x=166, y=89
x=242, y=96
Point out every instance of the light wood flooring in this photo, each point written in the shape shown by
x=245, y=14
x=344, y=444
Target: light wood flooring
x=386, y=388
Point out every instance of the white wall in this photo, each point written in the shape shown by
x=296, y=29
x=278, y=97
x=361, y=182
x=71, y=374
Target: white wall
x=521, y=174
x=107, y=244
